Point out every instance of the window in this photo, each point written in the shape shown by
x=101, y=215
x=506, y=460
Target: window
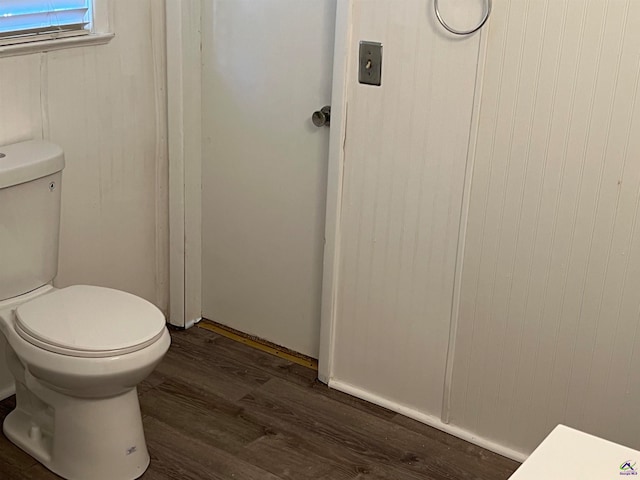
x=35, y=20
x=28, y=26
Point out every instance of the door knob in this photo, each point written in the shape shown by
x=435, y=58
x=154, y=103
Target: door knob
x=322, y=118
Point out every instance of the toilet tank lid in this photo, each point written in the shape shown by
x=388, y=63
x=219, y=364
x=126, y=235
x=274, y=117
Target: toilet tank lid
x=30, y=160
x=91, y=319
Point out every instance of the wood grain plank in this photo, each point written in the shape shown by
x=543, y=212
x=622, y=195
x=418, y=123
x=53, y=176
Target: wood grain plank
x=357, y=403
x=36, y=472
x=218, y=370
x=502, y=467
x=184, y=457
x=350, y=428
x=286, y=427
x=249, y=358
x=200, y=414
x=281, y=454
x=336, y=450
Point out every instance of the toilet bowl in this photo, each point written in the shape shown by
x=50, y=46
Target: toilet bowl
x=77, y=355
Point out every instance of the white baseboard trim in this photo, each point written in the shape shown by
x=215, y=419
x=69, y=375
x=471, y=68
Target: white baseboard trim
x=427, y=419
x=191, y=323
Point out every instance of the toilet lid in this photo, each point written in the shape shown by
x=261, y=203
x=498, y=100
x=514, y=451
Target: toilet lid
x=90, y=322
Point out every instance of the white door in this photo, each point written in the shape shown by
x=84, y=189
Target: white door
x=267, y=66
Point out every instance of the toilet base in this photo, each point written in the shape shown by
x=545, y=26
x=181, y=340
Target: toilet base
x=79, y=438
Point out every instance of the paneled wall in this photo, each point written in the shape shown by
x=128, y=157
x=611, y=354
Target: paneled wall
x=549, y=311
x=106, y=107
x=405, y=160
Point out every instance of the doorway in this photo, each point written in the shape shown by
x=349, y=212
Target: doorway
x=266, y=67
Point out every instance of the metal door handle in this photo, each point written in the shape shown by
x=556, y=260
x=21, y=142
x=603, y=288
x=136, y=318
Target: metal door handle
x=322, y=118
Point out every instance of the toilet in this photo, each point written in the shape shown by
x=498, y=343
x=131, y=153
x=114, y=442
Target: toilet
x=73, y=356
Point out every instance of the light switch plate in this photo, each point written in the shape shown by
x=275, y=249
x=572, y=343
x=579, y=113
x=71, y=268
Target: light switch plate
x=370, y=71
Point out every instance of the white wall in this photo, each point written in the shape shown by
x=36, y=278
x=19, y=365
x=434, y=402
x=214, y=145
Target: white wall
x=548, y=326
x=106, y=107
x=405, y=160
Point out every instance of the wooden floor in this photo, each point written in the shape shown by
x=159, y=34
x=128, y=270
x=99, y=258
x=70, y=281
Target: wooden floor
x=217, y=409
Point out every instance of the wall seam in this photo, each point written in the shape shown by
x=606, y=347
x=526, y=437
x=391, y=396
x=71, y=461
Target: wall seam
x=445, y=414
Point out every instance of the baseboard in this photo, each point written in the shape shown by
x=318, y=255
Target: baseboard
x=430, y=420
x=259, y=344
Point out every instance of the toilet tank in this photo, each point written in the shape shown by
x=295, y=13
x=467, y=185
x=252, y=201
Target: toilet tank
x=30, y=185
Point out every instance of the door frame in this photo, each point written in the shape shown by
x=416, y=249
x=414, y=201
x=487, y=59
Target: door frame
x=184, y=70
x=184, y=142
x=335, y=171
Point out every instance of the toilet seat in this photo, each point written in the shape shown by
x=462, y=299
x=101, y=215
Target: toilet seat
x=86, y=321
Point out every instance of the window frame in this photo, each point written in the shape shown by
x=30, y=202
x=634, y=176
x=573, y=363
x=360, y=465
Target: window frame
x=100, y=34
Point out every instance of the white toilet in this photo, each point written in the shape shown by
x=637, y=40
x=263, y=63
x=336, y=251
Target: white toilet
x=73, y=356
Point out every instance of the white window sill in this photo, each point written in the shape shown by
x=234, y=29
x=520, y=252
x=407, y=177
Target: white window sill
x=57, y=44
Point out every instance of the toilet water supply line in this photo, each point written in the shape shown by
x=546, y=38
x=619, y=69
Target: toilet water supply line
x=436, y=7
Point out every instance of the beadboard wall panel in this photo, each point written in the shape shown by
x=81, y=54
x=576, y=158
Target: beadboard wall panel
x=549, y=306
x=20, y=100
x=405, y=159
x=105, y=105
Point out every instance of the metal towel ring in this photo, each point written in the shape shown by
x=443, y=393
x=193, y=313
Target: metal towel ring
x=436, y=7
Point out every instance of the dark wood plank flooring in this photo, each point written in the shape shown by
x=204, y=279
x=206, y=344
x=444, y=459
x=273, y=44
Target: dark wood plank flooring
x=217, y=409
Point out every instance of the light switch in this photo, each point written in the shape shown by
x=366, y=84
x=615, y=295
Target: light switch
x=370, y=72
